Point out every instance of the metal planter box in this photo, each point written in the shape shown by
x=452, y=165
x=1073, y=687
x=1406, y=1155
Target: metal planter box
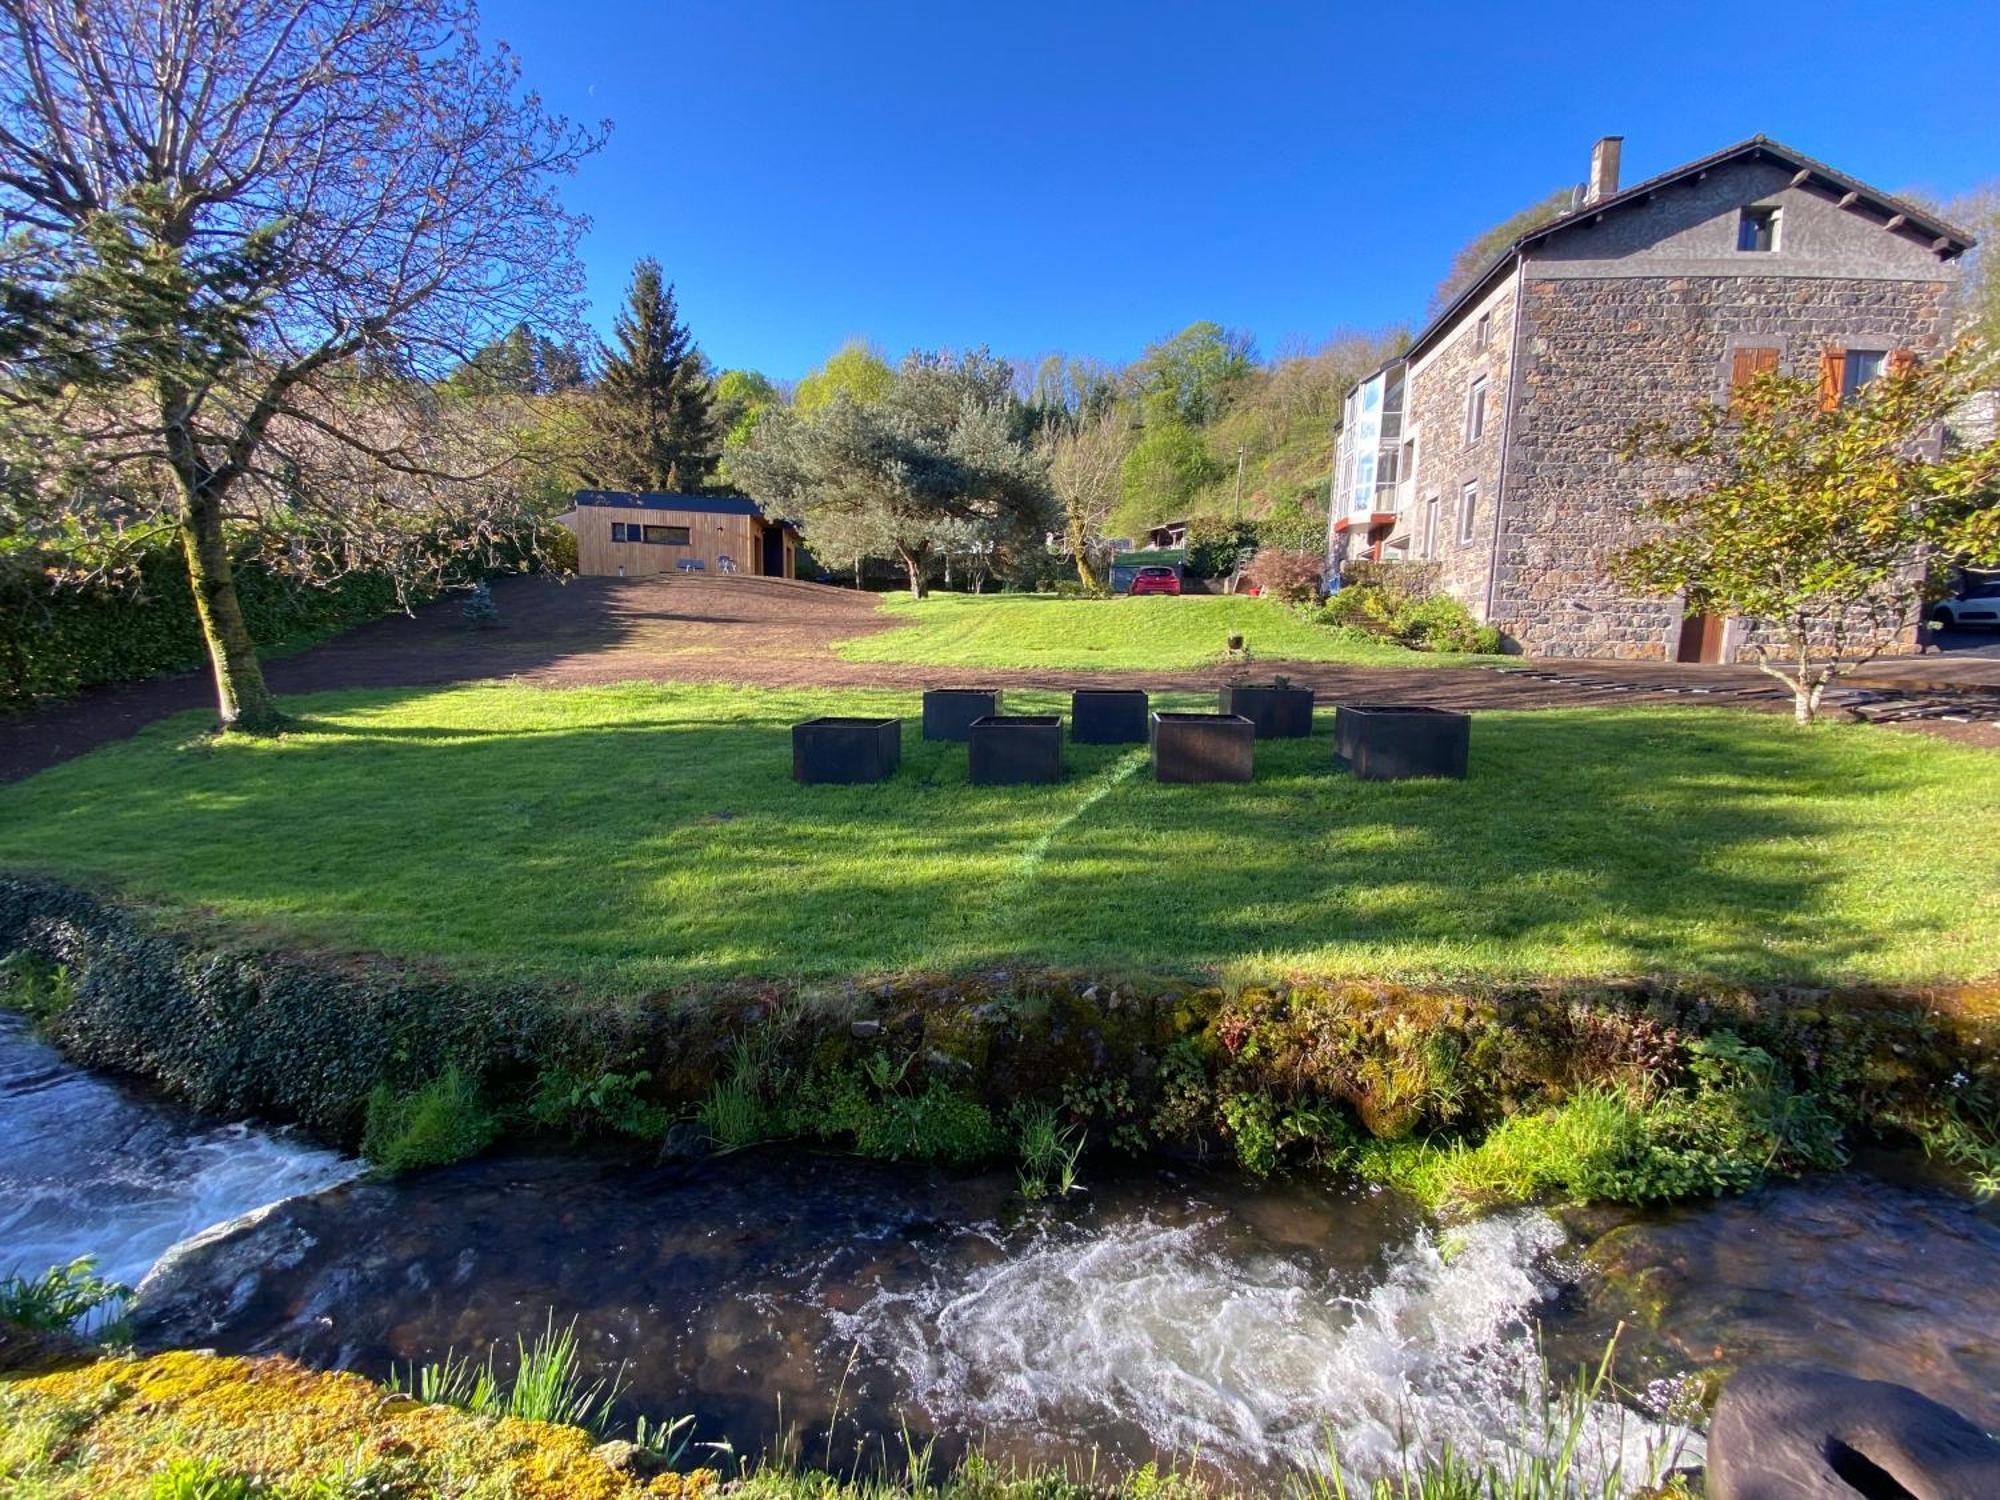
x=1397, y=742
x=1012, y=749
x=1108, y=716
x=1280, y=713
x=949, y=712
x=841, y=751
x=1203, y=747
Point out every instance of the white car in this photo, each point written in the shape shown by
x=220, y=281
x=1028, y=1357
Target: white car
x=1976, y=604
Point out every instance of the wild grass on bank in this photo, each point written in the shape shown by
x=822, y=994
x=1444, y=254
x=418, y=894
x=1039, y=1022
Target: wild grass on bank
x=628, y=839
x=61, y=1298
x=548, y=1383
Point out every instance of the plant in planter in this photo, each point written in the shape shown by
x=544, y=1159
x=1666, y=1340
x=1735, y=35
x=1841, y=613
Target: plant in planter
x=1277, y=709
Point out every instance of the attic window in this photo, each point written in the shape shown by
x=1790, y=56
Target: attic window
x=1482, y=331
x=1757, y=229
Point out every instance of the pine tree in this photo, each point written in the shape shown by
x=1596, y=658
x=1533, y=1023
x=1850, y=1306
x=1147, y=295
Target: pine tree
x=659, y=429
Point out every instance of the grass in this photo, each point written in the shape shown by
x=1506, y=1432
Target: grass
x=1152, y=633
x=638, y=837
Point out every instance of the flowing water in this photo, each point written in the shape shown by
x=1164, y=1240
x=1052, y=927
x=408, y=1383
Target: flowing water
x=1172, y=1312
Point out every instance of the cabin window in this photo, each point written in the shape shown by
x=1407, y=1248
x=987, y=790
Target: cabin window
x=1757, y=229
x=671, y=536
x=1475, y=411
x=1468, y=509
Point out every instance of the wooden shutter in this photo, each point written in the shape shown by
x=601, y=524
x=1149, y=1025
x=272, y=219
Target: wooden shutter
x=1832, y=378
x=1745, y=365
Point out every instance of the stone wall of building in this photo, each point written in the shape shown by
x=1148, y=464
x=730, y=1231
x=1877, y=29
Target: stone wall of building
x=1599, y=354
x=1440, y=381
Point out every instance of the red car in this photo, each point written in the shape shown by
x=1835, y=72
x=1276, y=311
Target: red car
x=1156, y=581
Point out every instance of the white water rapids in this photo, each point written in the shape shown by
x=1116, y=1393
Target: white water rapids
x=1255, y=1362
x=88, y=1169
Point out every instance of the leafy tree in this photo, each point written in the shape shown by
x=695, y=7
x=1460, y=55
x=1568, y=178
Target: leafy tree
x=1814, y=517
x=944, y=447
x=741, y=398
x=1071, y=389
x=1187, y=378
x=523, y=363
x=658, y=426
x=1164, y=471
x=855, y=371
x=1085, y=457
x=1979, y=283
x=1480, y=252
x=241, y=240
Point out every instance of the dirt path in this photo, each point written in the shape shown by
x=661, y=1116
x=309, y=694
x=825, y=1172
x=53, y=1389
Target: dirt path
x=777, y=633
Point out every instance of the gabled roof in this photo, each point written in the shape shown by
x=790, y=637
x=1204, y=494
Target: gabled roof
x=1949, y=239
x=702, y=505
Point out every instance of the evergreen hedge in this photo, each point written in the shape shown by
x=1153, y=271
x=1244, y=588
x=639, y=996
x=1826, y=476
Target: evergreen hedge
x=56, y=640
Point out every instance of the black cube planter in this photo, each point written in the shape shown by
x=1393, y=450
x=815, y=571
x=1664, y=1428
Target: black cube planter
x=1108, y=716
x=1203, y=747
x=1394, y=742
x=949, y=712
x=1280, y=713
x=1009, y=749
x=846, y=751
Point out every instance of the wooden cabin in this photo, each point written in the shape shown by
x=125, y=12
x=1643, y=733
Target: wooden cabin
x=621, y=534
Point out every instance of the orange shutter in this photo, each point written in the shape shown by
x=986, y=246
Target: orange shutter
x=1745, y=365
x=1832, y=378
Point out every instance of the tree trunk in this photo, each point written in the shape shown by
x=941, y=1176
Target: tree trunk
x=1079, y=547
x=244, y=704
x=914, y=566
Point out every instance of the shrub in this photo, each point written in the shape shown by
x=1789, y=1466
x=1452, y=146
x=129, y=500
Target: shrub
x=479, y=611
x=58, y=1299
x=1213, y=545
x=442, y=1122
x=1284, y=573
x=1374, y=598
x=604, y=1103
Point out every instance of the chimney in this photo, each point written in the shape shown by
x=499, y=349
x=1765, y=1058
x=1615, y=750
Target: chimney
x=1603, y=169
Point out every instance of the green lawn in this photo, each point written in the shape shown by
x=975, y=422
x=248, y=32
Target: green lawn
x=640, y=836
x=1152, y=633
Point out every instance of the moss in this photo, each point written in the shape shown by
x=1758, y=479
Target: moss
x=1285, y=1073
x=108, y=1426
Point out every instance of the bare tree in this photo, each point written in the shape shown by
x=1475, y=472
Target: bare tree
x=242, y=239
x=1086, y=463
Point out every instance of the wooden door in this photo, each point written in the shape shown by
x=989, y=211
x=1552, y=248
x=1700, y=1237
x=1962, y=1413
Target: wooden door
x=1701, y=638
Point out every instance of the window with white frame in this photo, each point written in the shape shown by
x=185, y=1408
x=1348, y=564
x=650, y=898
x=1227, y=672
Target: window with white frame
x=1475, y=411
x=1431, y=508
x=1757, y=229
x=1468, y=508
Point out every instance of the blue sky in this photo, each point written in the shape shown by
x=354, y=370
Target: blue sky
x=1090, y=177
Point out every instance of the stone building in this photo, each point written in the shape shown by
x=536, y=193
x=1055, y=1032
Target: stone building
x=1490, y=447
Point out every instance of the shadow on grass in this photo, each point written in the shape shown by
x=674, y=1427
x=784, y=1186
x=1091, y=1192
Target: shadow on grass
x=643, y=837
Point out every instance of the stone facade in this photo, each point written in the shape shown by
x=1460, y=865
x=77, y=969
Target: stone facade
x=1448, y=457
x=1616, y=315
x=1570, y=500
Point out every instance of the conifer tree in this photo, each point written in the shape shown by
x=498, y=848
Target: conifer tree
x=658, y=424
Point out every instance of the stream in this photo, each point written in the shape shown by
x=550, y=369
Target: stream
x=1176, y=1312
